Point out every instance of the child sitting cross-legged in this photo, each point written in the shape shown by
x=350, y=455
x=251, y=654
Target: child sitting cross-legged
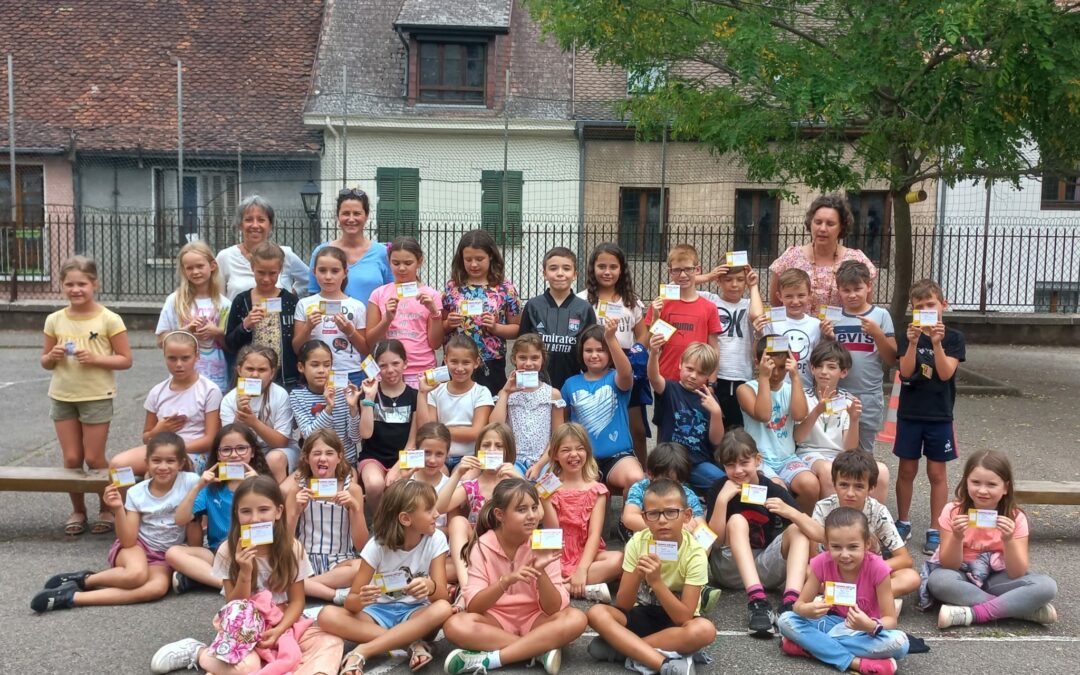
x=666, y=460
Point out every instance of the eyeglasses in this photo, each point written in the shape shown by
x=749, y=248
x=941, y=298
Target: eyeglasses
x=680, y=271
x=351, y=192
x=236, y=450
x=668, y=514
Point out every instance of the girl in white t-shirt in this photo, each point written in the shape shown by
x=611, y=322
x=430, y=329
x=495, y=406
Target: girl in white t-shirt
x=198, y=306
x=342, y=331
x=462, y=405
x=268, y=413
x=186, y=404
x=434, y=439
x=399, y=595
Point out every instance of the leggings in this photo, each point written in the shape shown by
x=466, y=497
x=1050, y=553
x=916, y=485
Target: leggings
x=1013, y=597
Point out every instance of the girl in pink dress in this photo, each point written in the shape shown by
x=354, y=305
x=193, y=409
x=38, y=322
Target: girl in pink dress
x=577, y=503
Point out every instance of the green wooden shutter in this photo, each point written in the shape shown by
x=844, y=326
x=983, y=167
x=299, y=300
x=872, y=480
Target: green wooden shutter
x=491, y=206
x=398, y=210
x=514, y=190
x=409, y=203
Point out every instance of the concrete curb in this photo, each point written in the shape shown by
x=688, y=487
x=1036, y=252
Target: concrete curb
x=984, y=385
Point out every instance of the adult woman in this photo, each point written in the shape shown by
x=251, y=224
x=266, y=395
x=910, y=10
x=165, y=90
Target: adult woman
x=369, y=266
x=255, y=218
x=828, y=220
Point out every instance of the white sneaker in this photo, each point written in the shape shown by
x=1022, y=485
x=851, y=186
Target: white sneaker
x=340, y=595
x=551, y=660
x=598, y=593
x=953, y=615
x=898, y=603
x=180, y=655
x=1045, y=615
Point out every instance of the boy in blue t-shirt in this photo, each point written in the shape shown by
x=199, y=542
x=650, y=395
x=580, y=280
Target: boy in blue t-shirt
x=666, y=460
x=687, y=411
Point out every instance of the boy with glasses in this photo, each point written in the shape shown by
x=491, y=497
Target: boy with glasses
x=694, y=318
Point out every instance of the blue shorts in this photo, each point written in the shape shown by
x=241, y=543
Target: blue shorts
x=390, y=614
x=934, y=440
x=608, y=463
x=357, y=377
x=785, y=470
x=452, y=461
x=704, y=474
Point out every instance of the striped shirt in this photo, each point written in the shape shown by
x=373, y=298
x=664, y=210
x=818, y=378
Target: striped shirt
x=309, y=411
x=325, y=530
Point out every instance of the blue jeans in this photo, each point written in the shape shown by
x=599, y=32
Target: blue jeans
x=840, y=648
x=704, y=474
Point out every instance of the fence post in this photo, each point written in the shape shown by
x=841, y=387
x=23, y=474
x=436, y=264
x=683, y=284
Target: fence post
x=986, y=236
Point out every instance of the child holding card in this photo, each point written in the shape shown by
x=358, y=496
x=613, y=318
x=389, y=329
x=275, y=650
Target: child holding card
x=325, y=507
x=985, y=525
x=263, y=315
x=930, y=355
x=406, y=310
x=853, y=627
x=461, y=404
x=679, y=305
x=529, y=405
x=387, y=418
x=666, y=460
x=262, y=568
x=433, y=443
x=578, y=505
x=757, y=553
x=398, y=598
x=145, y=527
x=262, y=405
x=198, y=306
x=516, y=606
x=795, y=322
x=321, y=403
x=333, y=317
x=496, y=445
x=482, y=304
x=234, y=456
x=655, y=623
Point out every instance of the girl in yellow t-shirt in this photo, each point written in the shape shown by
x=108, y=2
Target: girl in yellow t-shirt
x=85, y=344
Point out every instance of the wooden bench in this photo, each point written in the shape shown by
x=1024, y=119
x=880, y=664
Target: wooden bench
x=1047, y=492
x=52, y=479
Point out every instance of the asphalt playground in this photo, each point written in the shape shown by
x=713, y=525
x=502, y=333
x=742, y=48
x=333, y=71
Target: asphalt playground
x=1040, y=431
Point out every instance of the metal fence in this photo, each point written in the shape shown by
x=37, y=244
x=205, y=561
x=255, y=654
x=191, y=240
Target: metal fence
x=1025, y=268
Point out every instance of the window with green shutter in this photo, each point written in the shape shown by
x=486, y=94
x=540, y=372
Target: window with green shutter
x=499, y=191
x=397, y=212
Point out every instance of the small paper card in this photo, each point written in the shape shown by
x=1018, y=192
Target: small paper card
x=122, y=476
x=667, y=551
x=830, y=313
x=324, y=488
x=339, y=379
x=256, y=534
x=601, y=310
x=370, y=368
x=272, y=305
x=437, y=375
x=391, y=581
x=983, y=518
x=230, y=471
x=924, y=317
x=839, y=593
x=778, y=314
x=835, y=405
x=330, y=307
x=490, y=460
x=776, y=344
x=69, y=348
x=527, y=379
x=249, y=386
x=411, y=459
x=670, y=291
x=754, y=494
x=548, y=484
x=204, y=304
x=704, y=535
x=409, y=289
x=472, y=307
x=547, y=539
x=736, y=259
x=664, y=328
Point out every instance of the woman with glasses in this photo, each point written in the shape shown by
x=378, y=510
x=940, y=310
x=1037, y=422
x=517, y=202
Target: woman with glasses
x=369, y=266
x=255, y=220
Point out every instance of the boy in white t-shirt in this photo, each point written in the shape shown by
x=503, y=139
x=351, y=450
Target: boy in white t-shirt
x=800, y=327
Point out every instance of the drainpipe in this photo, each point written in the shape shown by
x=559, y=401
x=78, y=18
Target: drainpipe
x=405, y=44
x=581, y=193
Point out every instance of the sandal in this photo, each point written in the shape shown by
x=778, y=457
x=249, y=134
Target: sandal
x=419, y=655
x=75, y=525
x=104, y=524
x=353, y=663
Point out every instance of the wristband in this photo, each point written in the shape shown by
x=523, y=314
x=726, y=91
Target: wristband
x=877, y=628
x=367, y=404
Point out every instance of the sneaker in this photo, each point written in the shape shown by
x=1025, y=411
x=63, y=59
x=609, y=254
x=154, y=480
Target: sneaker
x=710, y=596
x=898, y=603
x=684, y=665
x=933, y=540
x=904, y=528
x=182, y=583
x=180, y=655
x=785, y=607
x=792, y=648
x=61, y=597
x=340, y=595
x=466, y=661
x=625, y=533
x=551, y=660
x=598, y=593
x=78, y=578
x=1045, y=615
x=953, y=615
x=762, y=618
x=600, y=650
x=877, y=666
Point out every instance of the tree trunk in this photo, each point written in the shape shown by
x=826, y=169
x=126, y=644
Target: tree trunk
x=902, y=261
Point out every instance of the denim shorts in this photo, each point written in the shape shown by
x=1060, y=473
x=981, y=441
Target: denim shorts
x=390, y=614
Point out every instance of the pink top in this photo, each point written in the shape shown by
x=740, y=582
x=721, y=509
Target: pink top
x=823, y=277
x=574, y=508
x=519, y=605
x=979, y=540
x=410, y=325
x=873, y=571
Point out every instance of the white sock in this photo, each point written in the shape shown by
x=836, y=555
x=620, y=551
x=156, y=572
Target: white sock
x=494, y=660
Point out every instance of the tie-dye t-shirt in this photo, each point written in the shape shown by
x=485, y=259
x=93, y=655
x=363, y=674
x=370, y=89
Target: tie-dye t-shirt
x=501, y=300
x=601, y=407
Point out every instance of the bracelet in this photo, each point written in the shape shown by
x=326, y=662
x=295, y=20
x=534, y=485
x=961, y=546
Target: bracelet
x=367, y=404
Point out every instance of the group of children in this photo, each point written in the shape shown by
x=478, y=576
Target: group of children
x=488, y=490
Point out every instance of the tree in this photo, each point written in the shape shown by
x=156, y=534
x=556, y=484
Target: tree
x=833, y=93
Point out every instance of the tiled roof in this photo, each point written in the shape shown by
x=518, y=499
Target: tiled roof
x=106, y=70
x=476, y=14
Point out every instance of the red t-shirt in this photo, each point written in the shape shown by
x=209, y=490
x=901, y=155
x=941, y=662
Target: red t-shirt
x=695, y=321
